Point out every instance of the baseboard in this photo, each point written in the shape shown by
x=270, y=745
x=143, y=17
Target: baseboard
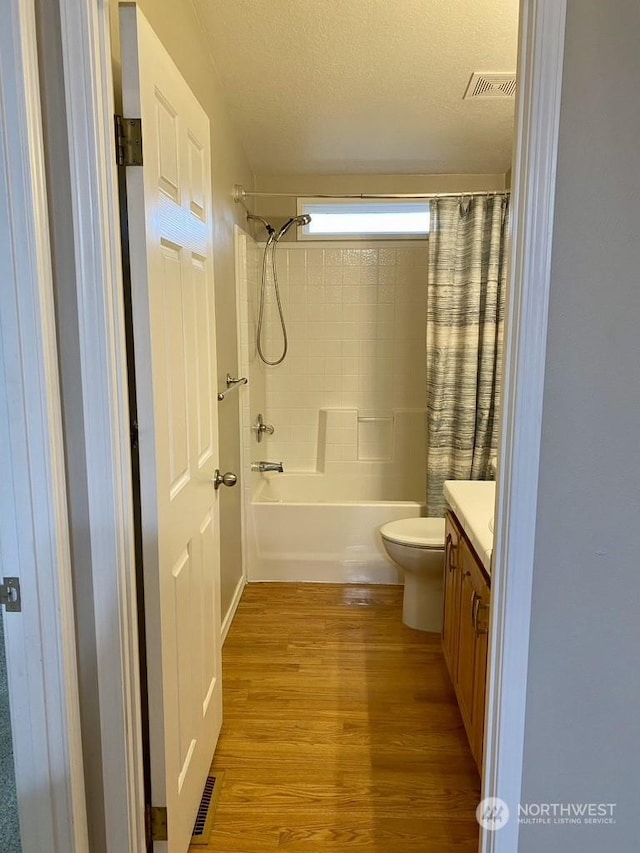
x=231, y=612
x=277, y=569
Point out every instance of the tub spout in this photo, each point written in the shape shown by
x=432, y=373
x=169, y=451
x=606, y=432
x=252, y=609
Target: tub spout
x=263, y=467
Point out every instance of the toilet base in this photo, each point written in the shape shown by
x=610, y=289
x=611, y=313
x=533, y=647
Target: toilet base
x=422, y=602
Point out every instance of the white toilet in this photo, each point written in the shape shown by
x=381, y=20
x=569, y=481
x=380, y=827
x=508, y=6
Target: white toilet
x=416, y=545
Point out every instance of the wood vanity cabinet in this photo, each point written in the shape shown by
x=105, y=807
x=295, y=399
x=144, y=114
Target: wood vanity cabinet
x=464, y=630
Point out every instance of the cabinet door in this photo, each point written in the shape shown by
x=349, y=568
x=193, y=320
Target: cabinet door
x=465, y=674
x=451, y=586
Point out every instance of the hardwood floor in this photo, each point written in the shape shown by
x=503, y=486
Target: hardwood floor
x=341, y=729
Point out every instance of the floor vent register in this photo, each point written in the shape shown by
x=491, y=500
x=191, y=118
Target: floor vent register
x=206, y=812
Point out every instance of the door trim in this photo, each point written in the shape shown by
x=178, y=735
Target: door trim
x=89, y=96
x=540, y=60
x=34, y=530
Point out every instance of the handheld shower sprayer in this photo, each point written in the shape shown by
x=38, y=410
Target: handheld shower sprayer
x=272, y=242
x=303, y=219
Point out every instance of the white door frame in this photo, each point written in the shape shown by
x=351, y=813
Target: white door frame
x=34, y=531
x=88, y=85
x=90, y=105
x=540, y=59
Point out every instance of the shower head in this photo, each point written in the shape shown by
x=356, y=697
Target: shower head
x=303, y=219
x=270, y=229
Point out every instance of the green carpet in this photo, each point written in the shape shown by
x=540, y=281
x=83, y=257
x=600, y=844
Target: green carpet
x=9, y=827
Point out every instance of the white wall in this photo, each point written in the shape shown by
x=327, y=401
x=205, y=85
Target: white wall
x=582, y=740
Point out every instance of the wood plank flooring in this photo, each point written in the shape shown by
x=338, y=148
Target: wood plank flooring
x=341, y=729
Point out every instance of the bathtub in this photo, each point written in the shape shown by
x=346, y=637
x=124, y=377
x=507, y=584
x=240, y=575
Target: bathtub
x=321, y=529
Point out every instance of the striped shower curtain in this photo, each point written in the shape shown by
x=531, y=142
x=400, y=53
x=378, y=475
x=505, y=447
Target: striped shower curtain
x=465, y=307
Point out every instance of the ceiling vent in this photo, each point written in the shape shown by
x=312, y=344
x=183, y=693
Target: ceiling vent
x=491, y=85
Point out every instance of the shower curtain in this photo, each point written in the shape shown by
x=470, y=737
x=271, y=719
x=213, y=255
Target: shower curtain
x=465, y=307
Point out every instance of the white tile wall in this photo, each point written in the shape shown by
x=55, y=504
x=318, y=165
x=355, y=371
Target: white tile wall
x=351, y=394
x=356, y=320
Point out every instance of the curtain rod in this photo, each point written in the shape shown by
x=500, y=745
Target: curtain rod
x=239, y=194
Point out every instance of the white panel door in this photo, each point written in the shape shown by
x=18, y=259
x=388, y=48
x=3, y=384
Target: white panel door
x=170, y=235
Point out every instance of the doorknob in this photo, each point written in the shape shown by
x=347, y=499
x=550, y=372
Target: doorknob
x=227, y=479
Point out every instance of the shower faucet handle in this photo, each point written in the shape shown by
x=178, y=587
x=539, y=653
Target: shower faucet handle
x=260, y=428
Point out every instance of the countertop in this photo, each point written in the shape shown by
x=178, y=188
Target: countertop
x=473, y=503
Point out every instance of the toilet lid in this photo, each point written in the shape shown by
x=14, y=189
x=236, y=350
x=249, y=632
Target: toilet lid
x=420, y=532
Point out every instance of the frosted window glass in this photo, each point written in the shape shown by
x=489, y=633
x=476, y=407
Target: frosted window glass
x=365, y=218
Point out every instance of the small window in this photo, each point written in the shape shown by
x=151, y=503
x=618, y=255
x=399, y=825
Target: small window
x=341, y=219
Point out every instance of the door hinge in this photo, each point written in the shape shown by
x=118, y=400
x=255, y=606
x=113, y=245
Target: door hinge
x=128, y=141
x=10, y=595
x=156, y=823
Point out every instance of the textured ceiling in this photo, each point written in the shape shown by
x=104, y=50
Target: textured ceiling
x=364, y=86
